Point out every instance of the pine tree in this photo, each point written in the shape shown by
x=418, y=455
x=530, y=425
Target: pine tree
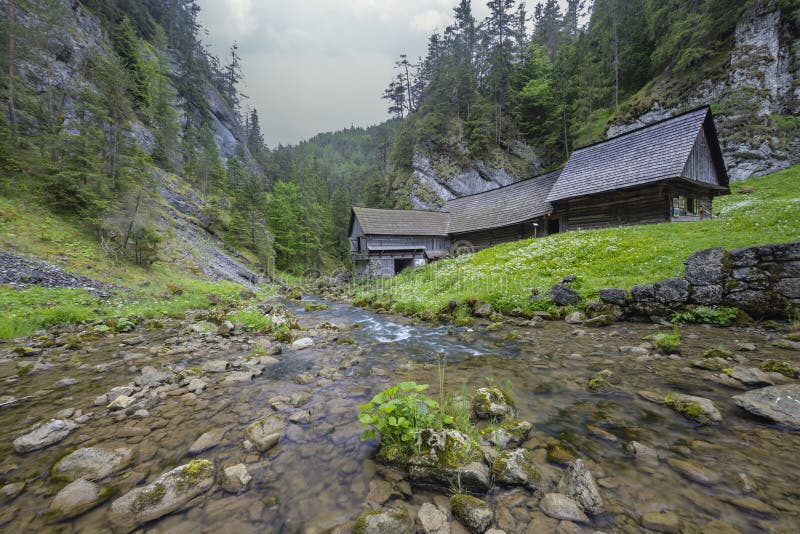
x=126, y=43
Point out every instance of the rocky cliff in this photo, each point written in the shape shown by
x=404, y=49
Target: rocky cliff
x=756, y=101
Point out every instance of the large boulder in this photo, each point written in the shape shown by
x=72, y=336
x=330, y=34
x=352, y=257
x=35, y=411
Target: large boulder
x=579, y=484
x=167, y=494
x=614, y=296
x=391, y=520
x=780, y=404
x=492, y=402
x=92, y=463
x=564, y=296
x=44, y=435
x=472, y=512
x=708, y=267
x=76, y=498
x=265, y=433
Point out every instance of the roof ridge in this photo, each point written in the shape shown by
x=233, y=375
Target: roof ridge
x=518, y=182
x=646, y=126
x=397, y=209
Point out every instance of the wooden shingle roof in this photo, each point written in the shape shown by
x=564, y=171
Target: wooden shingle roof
x=402, y=222
x=649, y=154
x=511, y=204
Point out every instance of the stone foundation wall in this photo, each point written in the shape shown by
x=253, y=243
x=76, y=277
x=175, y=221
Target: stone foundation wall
x=763, y=281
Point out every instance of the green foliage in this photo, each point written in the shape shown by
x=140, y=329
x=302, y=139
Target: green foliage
x=398, y=414
x=707, y=315
x=123, y=324
x=666, y=343
x=504, y=276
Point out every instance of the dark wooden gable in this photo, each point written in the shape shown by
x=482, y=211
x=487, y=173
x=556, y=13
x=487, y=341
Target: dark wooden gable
x=700, y=166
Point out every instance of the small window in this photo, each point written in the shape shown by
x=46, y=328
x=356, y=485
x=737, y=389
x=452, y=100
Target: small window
x=678, y=206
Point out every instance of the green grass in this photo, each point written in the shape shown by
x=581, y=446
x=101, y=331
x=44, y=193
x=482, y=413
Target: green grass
x=615, y=257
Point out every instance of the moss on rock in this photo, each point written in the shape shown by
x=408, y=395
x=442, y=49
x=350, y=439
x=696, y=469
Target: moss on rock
x=782, y=367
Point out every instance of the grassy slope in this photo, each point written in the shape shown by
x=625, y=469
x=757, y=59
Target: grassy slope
x=615, y=257
x=168, y=289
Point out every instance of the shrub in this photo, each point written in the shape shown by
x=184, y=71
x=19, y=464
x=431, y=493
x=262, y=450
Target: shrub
x=399, y=414
x=125, y=325
x=666, y=343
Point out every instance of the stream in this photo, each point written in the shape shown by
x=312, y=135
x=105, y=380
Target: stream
x=321, y=476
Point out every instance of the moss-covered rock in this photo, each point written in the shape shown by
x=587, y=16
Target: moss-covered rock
x=168, y=493
x=559, y=455
x=294, y=293
x=515, y=468
x=508, y=433
x=441, y=458
x=697, y=409
x=666, y=343
x=391, y=520
x=492, y=402
x=780, y=366
x=602, y=381
x=718, y=352
x=711, y=364
x=471, y=512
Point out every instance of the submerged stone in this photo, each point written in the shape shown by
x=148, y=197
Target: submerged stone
x=265, y=433
x=394, y=519
x=92, y=463
x=560, y=506
x=76, y=498
x=663, y=521
x=44, y=435
x=168, y=493
x=698, y=409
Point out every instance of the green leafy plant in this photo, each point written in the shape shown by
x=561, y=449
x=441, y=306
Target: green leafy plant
x=125, y=325
x=666, y=343
x=399, y=413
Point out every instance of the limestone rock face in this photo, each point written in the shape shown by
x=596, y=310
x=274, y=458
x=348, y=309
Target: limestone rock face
x=44, y=435
x=579, y=484
x=167, y=494
x=780, y=404
x=93, y=463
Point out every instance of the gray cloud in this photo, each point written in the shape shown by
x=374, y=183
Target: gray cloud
x=320, y=65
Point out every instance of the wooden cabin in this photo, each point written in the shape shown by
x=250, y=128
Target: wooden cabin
x=667, y=171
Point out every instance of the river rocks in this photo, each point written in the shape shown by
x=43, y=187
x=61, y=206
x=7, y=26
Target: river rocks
x=237, y=377
x=443, y=458
x=564, y=296
x=780, y=366
x=602, y=381
x=93, y=463
x=300, y=417
x=11, y=491
x=575, y=317
x=614, y=296
x=121, y=402
x=394, y=519
x=579, y=484
x=196, y=385
x=492, y=402
x=508, y=433
x=515, y=468
x=302, y=343
x=215, y=366
x=753, y=505
x=76, y=498
x=65, y=382
x=780, y=404
x=235, y=478
x=708, y=267
x=170, y=492
x=750, y=376
x=560, y=506
x=694, y=472
x=472, y=512
x=265, y=433
x=599, y=321
x=44, y=435
x=152, y=377
x=483, y=311
x=644, y=454
x=208, y=440
x=697, y=409
x=432, y=519
x=662, y=521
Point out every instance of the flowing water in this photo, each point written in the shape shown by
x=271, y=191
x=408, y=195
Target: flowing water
x=320, y=475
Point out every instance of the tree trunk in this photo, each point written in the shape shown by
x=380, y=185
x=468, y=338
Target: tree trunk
x=130, y=224
x=12, y=112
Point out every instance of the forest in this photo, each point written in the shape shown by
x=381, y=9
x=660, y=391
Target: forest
x=515, y=85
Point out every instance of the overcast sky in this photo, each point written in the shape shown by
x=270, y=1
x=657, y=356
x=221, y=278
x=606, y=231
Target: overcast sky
x=313, y=66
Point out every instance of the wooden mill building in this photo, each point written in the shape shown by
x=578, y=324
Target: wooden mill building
x=667, y=171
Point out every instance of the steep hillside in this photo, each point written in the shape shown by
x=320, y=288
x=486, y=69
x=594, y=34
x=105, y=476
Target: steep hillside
x=493, y=103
